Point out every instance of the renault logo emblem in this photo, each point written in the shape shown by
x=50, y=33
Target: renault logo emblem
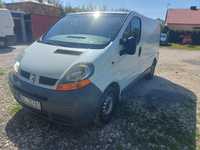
x=33, y=78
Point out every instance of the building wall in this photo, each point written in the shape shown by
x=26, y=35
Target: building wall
x=42, y=17
x=41, y=24
x=183, y=27
x=34, y=8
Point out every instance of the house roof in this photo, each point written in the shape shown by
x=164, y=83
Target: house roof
x=183, y=16
x=34, y=8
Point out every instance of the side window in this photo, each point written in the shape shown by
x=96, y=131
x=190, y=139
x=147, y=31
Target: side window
x=133, y=29
x=136, y=28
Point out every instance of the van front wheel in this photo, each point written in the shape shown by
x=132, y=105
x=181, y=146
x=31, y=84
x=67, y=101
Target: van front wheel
x=106, y=109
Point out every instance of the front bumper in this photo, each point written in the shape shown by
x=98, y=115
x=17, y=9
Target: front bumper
x=72, y=107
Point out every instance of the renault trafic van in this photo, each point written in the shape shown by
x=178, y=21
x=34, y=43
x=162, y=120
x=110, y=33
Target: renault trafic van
x=76, y=72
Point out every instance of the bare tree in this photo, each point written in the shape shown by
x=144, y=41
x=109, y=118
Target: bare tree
x=90, y=7
x=1, y=4
x=58, y=3
x=121, y=9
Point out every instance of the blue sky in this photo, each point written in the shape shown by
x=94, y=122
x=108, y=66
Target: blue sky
x=150, y=8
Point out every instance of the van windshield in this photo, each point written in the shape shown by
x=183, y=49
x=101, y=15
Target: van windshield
x=92, y=30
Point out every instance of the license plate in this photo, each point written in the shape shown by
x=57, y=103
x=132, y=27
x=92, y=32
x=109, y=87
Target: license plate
x=30, y=102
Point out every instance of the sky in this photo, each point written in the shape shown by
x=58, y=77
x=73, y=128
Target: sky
x=150, y=8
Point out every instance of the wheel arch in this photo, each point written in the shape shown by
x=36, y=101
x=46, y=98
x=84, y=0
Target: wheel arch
x=116, y=86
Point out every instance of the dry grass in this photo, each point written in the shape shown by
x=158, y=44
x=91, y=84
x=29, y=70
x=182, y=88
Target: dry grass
x=184, y=47
x=14, y=109
x=2, y=71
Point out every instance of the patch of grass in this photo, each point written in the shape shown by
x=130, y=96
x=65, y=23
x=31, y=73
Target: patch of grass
x=185, y=47
x=2, y=71
x=14, y=108
x=119, y=147
x=1, y=120
x=151, y=126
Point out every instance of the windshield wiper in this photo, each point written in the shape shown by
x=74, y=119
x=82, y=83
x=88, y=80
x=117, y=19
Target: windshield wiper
x=51, y=42
x=76, y=37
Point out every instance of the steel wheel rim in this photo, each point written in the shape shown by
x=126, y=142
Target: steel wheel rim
x=107, y=105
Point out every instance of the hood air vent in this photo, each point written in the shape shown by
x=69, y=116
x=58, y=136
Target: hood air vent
x=67, y=52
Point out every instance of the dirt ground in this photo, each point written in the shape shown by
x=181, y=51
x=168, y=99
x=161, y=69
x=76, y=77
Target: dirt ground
x=159, y=114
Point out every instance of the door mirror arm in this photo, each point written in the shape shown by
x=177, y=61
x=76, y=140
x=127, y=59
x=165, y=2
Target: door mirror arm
x=122, y=52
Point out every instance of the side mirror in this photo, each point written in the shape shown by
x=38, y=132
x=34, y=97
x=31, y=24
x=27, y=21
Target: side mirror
x=129, y=44
x=40, y=38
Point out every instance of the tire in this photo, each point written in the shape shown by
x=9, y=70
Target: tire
x=5, y=43
x=108, y=102
x=150, y=75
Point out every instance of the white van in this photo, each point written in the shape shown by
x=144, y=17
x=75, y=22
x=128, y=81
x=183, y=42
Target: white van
x=76, y=72
x=6, y=28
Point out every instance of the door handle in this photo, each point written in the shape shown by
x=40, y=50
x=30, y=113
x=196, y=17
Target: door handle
x=140, y=51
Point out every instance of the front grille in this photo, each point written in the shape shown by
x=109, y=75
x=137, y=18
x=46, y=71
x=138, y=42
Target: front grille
x=47, y=81
x=42, y=80
x=25, y=74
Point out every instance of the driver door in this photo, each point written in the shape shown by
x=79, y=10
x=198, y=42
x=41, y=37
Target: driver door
x=127, y=67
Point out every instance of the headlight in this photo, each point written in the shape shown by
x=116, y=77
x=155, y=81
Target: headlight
x=78, y=72
x=16, y=67
x=76, y=78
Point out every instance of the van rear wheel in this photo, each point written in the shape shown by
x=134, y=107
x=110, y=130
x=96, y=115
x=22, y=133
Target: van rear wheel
x=107, y=107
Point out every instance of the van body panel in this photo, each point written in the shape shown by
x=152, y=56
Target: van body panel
x=150, y=42
x=55, y=61
x=7, y=25
x=7, y=36
x=117, y=68
x=42, y=59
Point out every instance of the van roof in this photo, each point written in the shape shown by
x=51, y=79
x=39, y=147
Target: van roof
x=104, y=12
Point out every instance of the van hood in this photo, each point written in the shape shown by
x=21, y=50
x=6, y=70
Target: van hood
x=51, y=61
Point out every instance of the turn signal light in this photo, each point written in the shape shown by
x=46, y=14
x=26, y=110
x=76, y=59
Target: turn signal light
x=73, y=86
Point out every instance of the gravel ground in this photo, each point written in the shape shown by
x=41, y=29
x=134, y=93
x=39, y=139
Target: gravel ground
x=158, y=114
